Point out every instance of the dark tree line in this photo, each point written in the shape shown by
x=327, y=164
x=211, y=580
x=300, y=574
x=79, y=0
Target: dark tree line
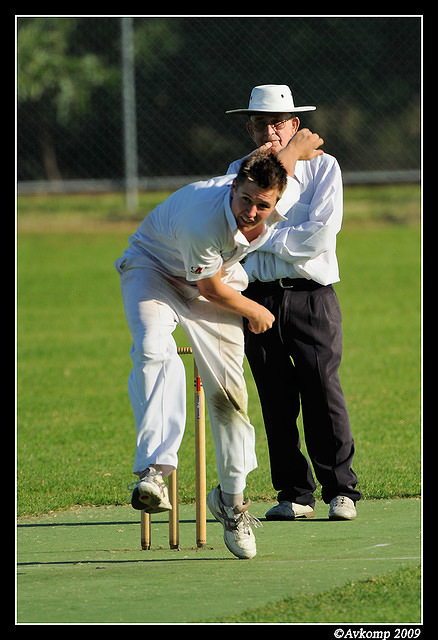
x=363, y=74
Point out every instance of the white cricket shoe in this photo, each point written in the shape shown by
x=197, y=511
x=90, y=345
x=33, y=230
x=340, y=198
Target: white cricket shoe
x=150, y=494
x=286, y=510
x=238, y=535
x=342, y=508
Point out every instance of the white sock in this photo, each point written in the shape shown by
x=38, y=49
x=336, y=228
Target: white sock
x=231, y=499
x=163, y=469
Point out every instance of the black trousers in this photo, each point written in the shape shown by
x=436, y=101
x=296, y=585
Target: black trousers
x=295, y=364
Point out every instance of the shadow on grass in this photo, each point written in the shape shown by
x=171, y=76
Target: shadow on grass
x=100, y=563
x=99, y=524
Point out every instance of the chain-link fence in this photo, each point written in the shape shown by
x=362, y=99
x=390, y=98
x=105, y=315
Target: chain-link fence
x=362, y=73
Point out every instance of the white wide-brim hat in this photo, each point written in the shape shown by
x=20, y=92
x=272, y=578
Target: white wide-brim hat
x=271, y=98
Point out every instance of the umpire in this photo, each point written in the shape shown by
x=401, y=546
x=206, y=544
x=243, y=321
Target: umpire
x=295, y=364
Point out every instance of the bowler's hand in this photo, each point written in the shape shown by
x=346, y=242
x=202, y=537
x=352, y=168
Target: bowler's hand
x=222, y=295
x=261, y=320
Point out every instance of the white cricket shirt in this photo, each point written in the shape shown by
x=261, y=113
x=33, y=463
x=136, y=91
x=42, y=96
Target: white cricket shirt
x=193, y=233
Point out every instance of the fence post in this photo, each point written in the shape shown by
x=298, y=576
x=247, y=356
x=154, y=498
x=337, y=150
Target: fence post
x=129, y=113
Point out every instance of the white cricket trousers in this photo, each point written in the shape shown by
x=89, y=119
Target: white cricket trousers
x=154, y=304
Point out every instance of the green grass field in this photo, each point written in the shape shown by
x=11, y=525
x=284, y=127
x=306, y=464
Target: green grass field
x=75, y=434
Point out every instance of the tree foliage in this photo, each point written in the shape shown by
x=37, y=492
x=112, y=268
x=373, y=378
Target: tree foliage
x=363, y=74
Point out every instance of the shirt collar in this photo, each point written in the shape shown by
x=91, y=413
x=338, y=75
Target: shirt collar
x=298, y=173
x=289, y=197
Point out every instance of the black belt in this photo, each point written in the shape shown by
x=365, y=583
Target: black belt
x=296, y=284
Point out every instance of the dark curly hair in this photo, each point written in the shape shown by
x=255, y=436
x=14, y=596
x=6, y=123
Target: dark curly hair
x=265, y=170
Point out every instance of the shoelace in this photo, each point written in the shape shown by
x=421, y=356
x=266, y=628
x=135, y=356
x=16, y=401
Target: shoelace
x=244, y=520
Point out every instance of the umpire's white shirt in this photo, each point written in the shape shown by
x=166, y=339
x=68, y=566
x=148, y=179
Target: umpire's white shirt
x=304, y=244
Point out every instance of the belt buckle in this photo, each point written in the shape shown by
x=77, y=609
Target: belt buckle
x=285, y=286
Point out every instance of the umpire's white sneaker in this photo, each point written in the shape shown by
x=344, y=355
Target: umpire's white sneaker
x=342, y=508
x=286, y=510
x=150, y=494
x=238, y=535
